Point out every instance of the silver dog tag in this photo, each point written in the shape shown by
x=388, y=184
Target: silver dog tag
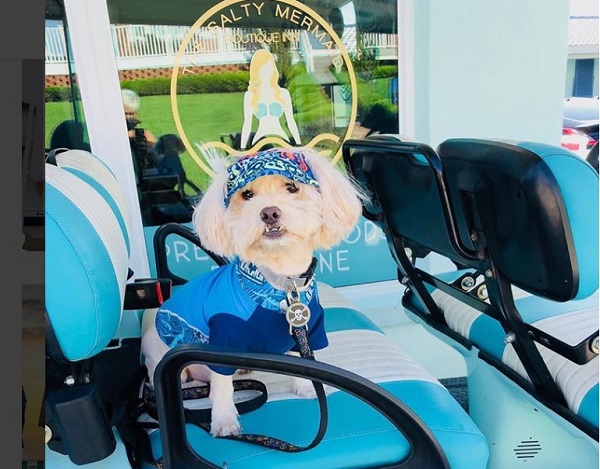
x=297, y=315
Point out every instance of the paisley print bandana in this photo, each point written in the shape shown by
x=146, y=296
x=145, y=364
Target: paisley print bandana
x=288, y=163
x=262, y=292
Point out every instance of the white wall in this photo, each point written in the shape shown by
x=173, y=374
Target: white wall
x=489, y=69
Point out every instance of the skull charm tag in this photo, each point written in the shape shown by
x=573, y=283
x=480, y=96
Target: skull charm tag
x=297, y=314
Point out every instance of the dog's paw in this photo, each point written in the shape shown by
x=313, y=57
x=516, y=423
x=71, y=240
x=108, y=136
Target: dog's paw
x=304, y=388
x=224, y=423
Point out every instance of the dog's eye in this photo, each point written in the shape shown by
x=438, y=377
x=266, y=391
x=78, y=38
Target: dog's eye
x=247, y=194
x=292, y=188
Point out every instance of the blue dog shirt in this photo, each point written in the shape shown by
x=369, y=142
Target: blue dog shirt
x=234, y=306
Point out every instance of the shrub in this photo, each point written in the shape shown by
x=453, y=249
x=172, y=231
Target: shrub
x=160, y=86
x=148, y=86
x=385, y=71
x=57, y=94
x=312, y=104
x=381, y=117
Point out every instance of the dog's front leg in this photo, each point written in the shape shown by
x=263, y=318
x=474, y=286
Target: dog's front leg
x=224, y=415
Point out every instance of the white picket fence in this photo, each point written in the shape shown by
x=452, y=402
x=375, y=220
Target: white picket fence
x=155, y=46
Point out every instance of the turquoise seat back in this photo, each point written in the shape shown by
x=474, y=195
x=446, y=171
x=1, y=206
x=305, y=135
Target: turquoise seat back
x=87, y=253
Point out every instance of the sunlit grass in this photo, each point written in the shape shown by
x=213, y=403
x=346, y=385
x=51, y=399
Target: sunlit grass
x=203, y=119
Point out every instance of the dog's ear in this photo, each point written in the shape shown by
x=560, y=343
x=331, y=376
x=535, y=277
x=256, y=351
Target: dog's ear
x=342, y=200
x=159, y=146
x=209, y=215
x=178, y=145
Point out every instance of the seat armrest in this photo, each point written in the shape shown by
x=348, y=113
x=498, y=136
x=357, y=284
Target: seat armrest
x=177, y=453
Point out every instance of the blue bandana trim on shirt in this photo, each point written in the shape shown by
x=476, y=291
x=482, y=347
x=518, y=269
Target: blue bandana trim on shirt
x=288, y=163
x=174, y=330
x=262, y=292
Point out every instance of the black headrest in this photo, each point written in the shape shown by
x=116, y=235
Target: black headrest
x=406, y=185
x=532, y=206
x=69, y=134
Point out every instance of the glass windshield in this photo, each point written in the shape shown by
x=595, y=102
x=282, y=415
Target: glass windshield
x=64, y=120
x=235, y=77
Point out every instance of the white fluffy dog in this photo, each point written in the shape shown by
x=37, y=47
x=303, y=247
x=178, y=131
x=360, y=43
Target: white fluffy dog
x=267, y=212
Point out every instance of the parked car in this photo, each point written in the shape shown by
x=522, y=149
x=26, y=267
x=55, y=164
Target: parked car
x=580, y=124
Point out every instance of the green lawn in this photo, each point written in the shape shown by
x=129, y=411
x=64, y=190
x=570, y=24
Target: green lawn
x=203, y=118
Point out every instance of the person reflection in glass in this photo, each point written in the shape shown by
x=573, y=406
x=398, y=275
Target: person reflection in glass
x=267, y=101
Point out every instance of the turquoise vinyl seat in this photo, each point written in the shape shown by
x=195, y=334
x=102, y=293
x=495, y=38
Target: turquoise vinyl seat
x=87, y=259
x=357, y=436
x=521, y=219
x=88, y=248
x=547, y=250
x=86, y=269
x=572, y=321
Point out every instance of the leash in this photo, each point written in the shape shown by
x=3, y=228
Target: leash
x=199, y=416
x=133, y=423
x=297, y=315
x=299, y=334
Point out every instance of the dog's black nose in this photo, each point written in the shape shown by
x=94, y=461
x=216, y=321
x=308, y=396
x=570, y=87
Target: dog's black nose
x=270, y=214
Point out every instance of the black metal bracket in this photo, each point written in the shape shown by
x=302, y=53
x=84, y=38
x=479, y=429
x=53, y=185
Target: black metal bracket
x=160, y=249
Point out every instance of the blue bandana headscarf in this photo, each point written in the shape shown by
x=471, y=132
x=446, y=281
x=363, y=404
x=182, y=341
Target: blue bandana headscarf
x=289, y=163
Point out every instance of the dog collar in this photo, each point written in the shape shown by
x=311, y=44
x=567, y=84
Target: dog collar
x=269, y=289
x=288, y=163
x=294, y=306
x=286, y=282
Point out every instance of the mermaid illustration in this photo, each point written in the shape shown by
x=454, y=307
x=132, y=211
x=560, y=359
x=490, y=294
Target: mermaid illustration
x=267, y=101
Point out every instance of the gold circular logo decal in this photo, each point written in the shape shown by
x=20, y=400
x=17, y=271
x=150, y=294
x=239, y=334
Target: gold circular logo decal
x=269, y=110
